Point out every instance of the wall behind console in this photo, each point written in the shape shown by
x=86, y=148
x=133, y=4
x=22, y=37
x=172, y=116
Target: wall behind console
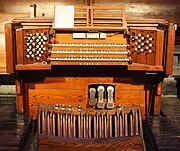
x=135, y=9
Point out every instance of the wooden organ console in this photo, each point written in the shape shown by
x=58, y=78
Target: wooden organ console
x=89, y=86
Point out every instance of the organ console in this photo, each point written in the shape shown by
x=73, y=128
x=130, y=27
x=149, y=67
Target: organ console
x=89, y=86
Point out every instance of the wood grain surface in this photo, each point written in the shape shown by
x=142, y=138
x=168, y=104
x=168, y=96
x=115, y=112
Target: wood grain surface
x=74, y=91
x=2, y=54
x=115, y=144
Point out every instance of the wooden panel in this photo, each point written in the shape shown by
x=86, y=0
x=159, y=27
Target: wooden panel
x=74, y=91
x=19, y=97
x=79, y=97
x=33, y=67
x=19, y=104
x=158, y=98
x=170, y=49
x=19, y=49
x=159, y=48
x=2, y=55
x=10, y=45
x=9, y=48
x=137, y=66
x=115, y=144
x=78, y=83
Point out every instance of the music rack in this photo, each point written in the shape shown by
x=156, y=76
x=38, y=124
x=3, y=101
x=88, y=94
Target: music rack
x=99, y=18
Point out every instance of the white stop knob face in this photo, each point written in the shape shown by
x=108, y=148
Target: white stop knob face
x=100, y=88
x=110, y=88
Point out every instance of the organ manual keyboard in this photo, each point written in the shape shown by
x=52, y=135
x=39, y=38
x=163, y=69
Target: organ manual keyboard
x=90, y=86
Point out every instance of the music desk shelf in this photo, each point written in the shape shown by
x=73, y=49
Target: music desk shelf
x=33, y=67
x=133, y=66
x=143, y=67
x=90, y=29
